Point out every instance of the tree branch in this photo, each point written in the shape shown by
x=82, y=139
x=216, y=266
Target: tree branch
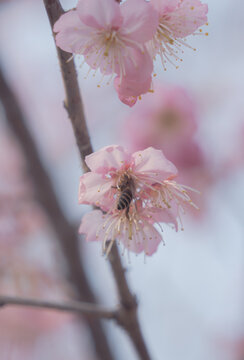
x=127, y=316
x=90, y=310
x=44, y=191
x=73, y=103
x=128, y=313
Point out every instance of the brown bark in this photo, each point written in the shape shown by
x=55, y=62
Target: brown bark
x=91, y=310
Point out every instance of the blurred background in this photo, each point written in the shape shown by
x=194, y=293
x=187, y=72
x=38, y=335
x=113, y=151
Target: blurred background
x=191, y=292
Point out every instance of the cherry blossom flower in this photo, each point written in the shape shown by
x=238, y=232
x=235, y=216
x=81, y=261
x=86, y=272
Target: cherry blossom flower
x=108, y=166
x=111, y=37
x=123, y=39
x=136, y=191
x=176, y=20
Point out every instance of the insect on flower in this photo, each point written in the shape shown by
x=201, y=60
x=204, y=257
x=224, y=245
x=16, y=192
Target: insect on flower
x=126, y=189
x=135, y=192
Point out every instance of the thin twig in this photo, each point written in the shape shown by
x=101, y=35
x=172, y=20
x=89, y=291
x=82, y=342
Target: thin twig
x=73, y=103
x=128, y=314
x=44, y=191
x=91, y=310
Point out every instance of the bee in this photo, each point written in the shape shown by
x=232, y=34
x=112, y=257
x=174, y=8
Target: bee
x=126, y=188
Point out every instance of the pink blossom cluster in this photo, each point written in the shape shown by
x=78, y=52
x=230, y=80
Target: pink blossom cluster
x=123, y=39
x=135, y=192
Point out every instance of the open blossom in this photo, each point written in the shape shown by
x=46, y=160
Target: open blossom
x=111, y=37
x=176, y=20
x=136, y=191
x=122, y=39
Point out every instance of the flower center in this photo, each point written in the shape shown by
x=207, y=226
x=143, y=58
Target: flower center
x=110, y=40
x=164, y=34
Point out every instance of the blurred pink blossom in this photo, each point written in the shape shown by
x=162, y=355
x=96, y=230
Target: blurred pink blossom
x=21, y=220
x=167, y=120
x=235, y=158
x=19, y=213
x=23, y=276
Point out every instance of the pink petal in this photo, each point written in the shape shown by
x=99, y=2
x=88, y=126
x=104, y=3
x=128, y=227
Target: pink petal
x=127, y=100
x=90, y=225
x=165, y=215
x=146, y=241
x=72, y=34
x=153, y=163
x=109, y=158
x=140, y=20
x=100, y=13
x=164, y=7
x=128, y=88
x=188, y=17
x=67, y=20
x=137, y=79
x=97, y=190
x=138, y=66
x=153, y=237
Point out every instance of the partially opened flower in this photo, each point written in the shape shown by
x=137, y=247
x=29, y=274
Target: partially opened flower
x=110, y=36
x=136, y=191
x=176, y=20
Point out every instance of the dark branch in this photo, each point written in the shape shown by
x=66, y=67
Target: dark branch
x=127, y=316
x=45, y=194
x=90, y=310
x=73, y=103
